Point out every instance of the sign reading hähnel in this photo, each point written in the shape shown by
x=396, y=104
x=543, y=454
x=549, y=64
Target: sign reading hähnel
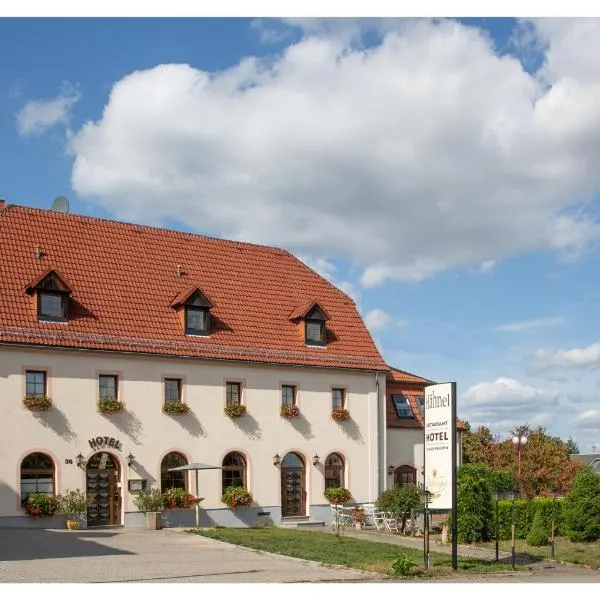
x=440, y=440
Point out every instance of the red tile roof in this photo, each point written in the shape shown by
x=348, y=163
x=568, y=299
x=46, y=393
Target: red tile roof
x=125, y=277
x=398, y=376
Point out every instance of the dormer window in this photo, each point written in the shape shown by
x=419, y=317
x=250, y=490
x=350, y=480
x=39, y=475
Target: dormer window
x=196, y=311
x=196, y=320
x=52, y=293
x=314, y=317
x=315, y=332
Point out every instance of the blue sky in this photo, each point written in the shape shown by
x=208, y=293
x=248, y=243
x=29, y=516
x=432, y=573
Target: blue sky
x=444, y=174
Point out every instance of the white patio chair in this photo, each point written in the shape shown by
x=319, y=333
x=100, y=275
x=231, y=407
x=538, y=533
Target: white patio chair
x=339, y=516
x=369, y=509
x=390, y=522
x=379, y=520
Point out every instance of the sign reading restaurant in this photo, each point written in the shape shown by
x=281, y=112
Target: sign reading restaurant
x=440, y=443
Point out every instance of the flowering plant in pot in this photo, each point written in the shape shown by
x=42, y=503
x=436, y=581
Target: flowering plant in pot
x=175, y=408
x=289, y=410
x=108, y=406
x=150, y=502
x=337, y=495
x=358, y=514
x=236, y=496
x=234, y=410
x=178, y=498
x=39, y=504
x=74, y=504
x=340, y=414
x=36, y=403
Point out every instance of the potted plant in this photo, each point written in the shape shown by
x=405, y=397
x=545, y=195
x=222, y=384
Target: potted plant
x=337, y=495
x=74, y=504
x=175, y=408
x=236, y=496
x=234, y=411
x=340, y=414
x=39, y=504
x=289, y=410
x=151, y=503
x=178, y=498
x=358, y=515
x=108, y=406
x=37, y=403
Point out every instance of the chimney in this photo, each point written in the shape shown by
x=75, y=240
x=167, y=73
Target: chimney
x=2, y=203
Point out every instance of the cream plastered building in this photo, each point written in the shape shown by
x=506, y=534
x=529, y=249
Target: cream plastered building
x=97, y=314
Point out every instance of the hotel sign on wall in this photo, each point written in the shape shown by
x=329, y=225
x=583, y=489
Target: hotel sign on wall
x=440, y=443
x=100, y=442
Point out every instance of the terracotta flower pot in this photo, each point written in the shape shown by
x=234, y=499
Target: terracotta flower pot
x=73, y=524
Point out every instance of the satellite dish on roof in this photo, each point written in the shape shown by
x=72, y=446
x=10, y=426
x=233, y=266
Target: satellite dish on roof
x=60, y=204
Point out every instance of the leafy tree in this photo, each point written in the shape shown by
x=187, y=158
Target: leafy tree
x=581, y=507
x=538, y=534
x=545, y=460
x=400, y=501
x=474, y=504
x=572, y=446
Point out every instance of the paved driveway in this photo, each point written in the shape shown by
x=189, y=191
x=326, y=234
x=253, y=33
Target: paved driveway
x=132, y=555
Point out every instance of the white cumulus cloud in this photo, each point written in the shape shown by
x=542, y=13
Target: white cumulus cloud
x=576, y=358
x=426, y=152
x=589, y=419
x=37, y=116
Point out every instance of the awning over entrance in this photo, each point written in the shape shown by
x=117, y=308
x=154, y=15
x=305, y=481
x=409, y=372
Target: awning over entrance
x=196, y=467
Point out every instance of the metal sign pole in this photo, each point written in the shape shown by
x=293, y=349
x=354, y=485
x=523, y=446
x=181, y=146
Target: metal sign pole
x=454, y=483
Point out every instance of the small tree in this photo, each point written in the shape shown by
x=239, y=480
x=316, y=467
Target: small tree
x=538, y=534
x=581, y=507
x=400, y=501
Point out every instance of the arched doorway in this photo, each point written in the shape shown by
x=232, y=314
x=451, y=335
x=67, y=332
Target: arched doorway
x=293, y=488
x=102, y=477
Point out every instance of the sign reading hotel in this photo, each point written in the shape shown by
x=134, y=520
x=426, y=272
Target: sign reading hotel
x=440, y=443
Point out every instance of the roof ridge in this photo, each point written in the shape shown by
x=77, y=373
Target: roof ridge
x=151, y=227
x=409, y=373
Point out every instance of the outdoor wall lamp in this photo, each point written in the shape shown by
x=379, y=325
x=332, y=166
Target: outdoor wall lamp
x=316, y=460
x=130, y=459
x=391, y=470
x=276, y=459
x=80, y=461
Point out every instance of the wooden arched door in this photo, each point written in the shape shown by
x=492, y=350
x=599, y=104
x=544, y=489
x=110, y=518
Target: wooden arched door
x=102, y=478
x=293, y=486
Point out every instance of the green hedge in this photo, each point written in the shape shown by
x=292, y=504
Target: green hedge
x=524, y=515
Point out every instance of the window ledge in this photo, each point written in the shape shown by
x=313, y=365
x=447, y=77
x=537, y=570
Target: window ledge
x=198, y=335
x=51, y=320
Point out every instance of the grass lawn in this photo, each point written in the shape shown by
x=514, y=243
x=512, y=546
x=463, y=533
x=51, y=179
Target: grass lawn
x=579, y=553
x=345, y=551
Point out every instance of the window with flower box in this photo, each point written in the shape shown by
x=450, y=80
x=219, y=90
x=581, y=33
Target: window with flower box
x=288, y=395
x=338, y=398
x=108, y=387
x=234, y=471
x=35, y=383
x=172, y=391
x=172, y=479
x=37, y=475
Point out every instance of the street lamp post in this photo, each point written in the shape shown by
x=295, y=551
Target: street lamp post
x=496, y=497
x=519, y=441
x=425, y=497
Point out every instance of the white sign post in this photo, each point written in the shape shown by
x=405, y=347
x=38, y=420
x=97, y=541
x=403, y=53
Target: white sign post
x=440, y=451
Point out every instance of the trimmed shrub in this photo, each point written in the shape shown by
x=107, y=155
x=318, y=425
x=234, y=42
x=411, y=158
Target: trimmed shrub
x=582, y=507
x=538, y=534
x=475, y=519
x=525, y=511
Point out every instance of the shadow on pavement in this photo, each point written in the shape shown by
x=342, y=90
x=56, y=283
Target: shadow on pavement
x=32, y=544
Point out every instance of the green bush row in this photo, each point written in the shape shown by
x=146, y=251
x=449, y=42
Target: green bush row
x=524, y=514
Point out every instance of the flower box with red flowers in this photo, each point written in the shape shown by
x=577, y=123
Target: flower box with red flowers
x=175, y=408
x=235, y=410
x=107, y=406
x=178, y=498
x=39, y=504
x=289, y=410
x=236, y=496
x=340, y=414
x=36, y=403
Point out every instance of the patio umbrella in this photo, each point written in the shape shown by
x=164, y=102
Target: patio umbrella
x=196, y=467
